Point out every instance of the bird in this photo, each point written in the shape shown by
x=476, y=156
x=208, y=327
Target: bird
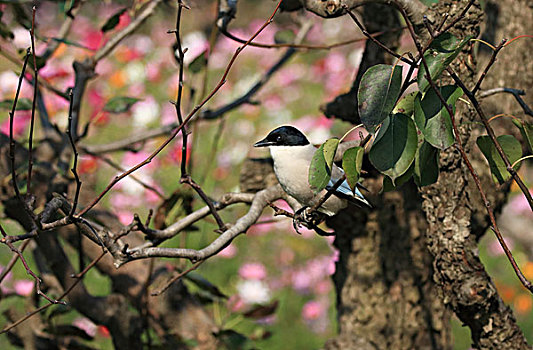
x=292, y=153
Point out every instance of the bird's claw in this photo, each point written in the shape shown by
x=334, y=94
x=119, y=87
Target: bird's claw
x=310, y=219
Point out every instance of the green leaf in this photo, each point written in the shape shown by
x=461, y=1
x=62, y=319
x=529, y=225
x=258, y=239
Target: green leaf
x=112, y=22
x=512, y=149
x=284, y=36
x=526, y=130
x=395, y=146
x=429, y=2
x=120, y=104
x=352, y=162
x=433, y=119
x=388, y=185
x=330, y=148
x=23, y=104
x=406, y=104
x=426, y=169
x=379, y=90
x=198, y=63
x=319, y=173
x=442, y=51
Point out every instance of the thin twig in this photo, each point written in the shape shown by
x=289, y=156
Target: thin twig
x=374, y=40
x=44, y=307
x=489, y=65
x=464, y=156
x=175, y=278
x=515, y=92
x=75, y=164
x=494, y=139
x=34, y=101
x=13, y=260
x=185, y=121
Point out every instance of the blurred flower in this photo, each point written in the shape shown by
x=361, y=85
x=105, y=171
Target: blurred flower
x=495, y=249
x=229, y=252
x=22, y=38
x=523, y=303
x=9, y=82
x=235, y=303
x=145, y=112
x=253, y=292
x=195, y=43
x=23, y=287
x=312, y=310
x=20, y=122
x=85, y=324
x=252, y=271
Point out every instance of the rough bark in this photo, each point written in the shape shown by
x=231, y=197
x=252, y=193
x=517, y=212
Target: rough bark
x=386, y=296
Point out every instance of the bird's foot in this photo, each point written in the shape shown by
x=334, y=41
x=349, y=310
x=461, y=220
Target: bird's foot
x=310, y=219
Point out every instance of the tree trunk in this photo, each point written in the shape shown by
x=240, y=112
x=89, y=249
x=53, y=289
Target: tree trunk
x=393, y=294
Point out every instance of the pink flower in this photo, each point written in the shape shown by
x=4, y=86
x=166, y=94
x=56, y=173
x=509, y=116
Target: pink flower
x=252, y=271
x=235, y=303
x=229, y=252
x=312, y=310
x=23, y=287
x=87, y=325
x=20, y=122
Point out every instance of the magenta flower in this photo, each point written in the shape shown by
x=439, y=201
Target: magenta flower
x=312, y=310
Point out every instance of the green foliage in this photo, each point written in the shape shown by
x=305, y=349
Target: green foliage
x=395, y=146
x=389, y=185
x=120, y=104
x=352, y=162
x=433, y=119
x=406, y=104
x=112, y=22
x=23, y=104
x=379, y=90
x=526, y=129
x=442, y=51
x=320, y=168
x=512, y=149
x=426, y=167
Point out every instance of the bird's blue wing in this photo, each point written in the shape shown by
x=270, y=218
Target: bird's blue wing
x=344, y=189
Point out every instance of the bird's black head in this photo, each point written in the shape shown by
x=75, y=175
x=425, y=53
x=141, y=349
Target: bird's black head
x=283, y=136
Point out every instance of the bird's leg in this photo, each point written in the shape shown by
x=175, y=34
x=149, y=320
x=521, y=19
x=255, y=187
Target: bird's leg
x=308, y=218
x=299, y=218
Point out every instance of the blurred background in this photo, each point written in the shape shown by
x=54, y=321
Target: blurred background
x=271, y=265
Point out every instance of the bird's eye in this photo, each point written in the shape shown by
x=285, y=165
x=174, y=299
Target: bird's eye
x=278, y=138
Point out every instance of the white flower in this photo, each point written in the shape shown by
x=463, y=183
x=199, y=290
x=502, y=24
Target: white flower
x=145, y=112
x=253, y=292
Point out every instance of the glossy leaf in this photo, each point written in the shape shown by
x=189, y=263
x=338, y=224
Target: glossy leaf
x=352, y=162
x=330, y=148
x=23, y=104
x=120, y=104
x=426, y=167
x=526, y=130
x=395, y=146
x=512, y=149
x=379, y=90
x=433, y=119
x=442, y=51
x=319, y=174
x=112, y=22
x=388, y=185
x=406, y=104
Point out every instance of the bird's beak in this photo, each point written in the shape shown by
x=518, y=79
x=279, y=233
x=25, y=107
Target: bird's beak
x=263, y=143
